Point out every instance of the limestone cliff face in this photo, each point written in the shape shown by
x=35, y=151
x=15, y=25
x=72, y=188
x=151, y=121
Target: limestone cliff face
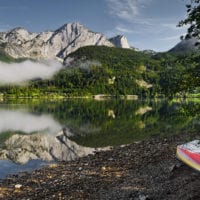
x=120, y=41
x=19, y=42
x=70, y=37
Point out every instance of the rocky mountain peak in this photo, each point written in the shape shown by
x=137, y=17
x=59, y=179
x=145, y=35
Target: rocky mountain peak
x=120, y=41
x=69, y=26
x=55, y=44
x=20, y=31
x=70, y=37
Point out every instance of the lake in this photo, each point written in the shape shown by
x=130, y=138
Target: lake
x=34, y=133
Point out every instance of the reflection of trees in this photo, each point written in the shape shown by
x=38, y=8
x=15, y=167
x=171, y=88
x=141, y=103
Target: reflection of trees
x=92, y=126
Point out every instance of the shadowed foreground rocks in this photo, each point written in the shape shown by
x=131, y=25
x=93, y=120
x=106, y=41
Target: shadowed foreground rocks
x=144, y=170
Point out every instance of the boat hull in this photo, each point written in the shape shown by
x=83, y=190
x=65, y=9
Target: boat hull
x=189, y=153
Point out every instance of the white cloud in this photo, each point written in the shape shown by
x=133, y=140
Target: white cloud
x=123, y=30
x=119, y=29
x=143, y=21
x=171, y=38
x=18, y=73
x=125, y=9
x=26, y=122
x=173, y=26
x=170, y=26
x=140, y=18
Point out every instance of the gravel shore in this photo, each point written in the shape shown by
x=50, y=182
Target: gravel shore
x=143, y=170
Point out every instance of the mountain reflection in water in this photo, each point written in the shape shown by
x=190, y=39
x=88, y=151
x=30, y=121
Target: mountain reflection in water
x=22, y=148
x=32, y=130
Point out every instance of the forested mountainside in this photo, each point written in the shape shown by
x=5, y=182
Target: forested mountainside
x=114, y=71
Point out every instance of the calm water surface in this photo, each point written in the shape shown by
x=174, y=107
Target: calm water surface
x=31, y=133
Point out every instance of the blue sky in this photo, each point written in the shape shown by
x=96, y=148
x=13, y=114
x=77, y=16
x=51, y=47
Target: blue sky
x=147, y=24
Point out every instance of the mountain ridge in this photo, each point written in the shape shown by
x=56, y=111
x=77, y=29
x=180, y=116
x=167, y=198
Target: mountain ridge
x=20, y=43
x=120, y=41
x=185, y=46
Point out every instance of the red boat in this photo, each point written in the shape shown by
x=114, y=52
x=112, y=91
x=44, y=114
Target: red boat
x=189, y=153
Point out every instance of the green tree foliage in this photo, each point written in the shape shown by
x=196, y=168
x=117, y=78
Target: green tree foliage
x=193, y=19
x=114, y=71
x=191, y=77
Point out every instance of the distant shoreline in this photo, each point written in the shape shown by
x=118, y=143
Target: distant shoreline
x=95, y=97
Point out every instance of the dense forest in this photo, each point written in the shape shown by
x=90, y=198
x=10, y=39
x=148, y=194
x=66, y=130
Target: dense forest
x=113, y=71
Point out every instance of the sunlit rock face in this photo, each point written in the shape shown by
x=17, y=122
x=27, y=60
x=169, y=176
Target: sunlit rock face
x=22, y=148
x=70, y=37
x=50, y=44
x=120, y=41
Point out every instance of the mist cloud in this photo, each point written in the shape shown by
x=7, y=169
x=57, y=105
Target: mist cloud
x=18, y=73
x=26, y=122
